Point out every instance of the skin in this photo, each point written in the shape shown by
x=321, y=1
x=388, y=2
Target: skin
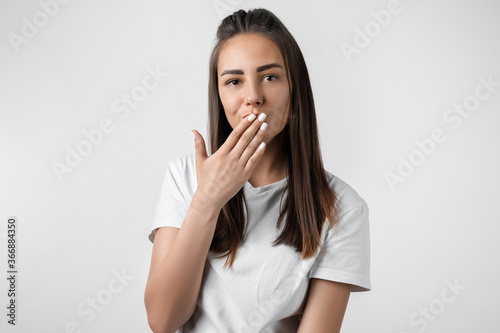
x=325, y=308
x=247, y=92
x=244, y=91
x=255, y=92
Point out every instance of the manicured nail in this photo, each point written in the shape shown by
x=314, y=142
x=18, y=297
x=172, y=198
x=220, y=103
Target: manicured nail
x=262, y=145
x=194, y=136
x=262, y=116
x=263, y=126
x=251, y=117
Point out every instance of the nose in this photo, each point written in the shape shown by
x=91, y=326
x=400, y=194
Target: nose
x=253, y=95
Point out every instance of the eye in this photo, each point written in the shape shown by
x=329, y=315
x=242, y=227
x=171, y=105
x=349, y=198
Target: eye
x=270, y=77
x=230, y=82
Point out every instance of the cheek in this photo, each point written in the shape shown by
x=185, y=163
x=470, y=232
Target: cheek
x=279, y=94
x=285, y=96
x=230, y=109
x=282, y=98
x=282, y=105
x=229, y=102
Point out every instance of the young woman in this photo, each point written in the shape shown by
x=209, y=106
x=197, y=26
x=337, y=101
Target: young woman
x=257, y=236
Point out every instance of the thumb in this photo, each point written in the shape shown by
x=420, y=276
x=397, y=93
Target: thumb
x=199, y=145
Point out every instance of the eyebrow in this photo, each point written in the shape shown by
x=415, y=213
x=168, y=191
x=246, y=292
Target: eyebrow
x=259, y=69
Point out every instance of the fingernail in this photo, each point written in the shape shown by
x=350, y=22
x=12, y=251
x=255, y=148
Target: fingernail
x=251, y=117
x=262, y=145
x=263, y=126
x=194, y=136
x=262, y=116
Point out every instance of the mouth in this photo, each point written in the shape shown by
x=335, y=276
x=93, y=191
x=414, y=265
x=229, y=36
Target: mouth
x=257, y=114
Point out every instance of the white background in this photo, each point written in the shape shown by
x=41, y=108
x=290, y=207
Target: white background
x=439, y=224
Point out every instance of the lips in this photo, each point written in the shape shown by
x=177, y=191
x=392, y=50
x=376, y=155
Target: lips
x=257, y=114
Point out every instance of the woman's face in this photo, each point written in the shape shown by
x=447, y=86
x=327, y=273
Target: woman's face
x=252, y=79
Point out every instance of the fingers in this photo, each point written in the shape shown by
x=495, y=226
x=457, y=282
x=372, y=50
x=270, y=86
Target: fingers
x=254, y=158
x=247, y=137
x=255, y=148
x=236, y=134
x=199, y=146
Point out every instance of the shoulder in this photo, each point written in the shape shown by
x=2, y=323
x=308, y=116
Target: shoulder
x=347, y=196
x=182, y=169
x=183, y=163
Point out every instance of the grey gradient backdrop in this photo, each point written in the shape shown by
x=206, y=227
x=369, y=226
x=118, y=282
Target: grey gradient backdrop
x=434, y=232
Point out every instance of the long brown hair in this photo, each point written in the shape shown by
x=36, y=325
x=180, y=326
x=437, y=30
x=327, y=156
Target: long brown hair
x=310, y=199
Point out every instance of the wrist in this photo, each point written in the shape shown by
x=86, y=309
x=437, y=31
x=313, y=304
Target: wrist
x=204, y=205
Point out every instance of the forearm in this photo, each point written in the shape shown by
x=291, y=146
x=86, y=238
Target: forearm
x=172, y=290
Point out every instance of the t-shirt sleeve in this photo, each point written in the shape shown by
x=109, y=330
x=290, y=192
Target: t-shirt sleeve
x=172, y=205
x=347, y=251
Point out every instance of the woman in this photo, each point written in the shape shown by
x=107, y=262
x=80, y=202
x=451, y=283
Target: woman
x=258, y=236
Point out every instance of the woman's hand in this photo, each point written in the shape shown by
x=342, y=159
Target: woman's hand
x=224, y=173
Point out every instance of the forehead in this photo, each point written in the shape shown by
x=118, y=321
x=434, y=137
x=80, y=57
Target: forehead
x=247, y=51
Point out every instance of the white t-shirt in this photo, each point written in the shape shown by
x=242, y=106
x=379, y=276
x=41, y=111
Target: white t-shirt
x=267, y=287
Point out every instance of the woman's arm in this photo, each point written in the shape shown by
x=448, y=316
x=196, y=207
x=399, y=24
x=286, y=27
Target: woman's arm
x=172, y=288
x=177, y=267
x=325, y=307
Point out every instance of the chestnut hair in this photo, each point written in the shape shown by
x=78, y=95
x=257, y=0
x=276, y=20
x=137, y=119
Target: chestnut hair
x=310, y=199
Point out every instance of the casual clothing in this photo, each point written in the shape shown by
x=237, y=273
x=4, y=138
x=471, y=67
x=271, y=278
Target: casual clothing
x=267, y=286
